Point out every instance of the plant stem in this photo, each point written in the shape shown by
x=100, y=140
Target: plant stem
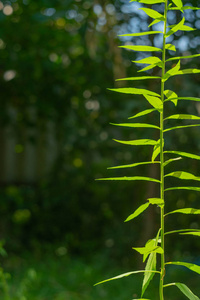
x=162, y=159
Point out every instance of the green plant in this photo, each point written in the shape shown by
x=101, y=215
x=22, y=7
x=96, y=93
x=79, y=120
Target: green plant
x=159, y=102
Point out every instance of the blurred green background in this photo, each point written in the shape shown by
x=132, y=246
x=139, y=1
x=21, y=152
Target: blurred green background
x=62, y=230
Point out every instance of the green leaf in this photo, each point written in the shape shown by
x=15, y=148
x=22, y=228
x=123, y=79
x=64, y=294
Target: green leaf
x=133, y=165
x=156, y=201
x=186, y=28
x=191, y=233
x=183, y=57
x=138, y=211
x=184, y=289
x=187, y=71
x=149, y=1
x=183, y=175
x=130, y=179
x=180, y=127
x=139, y=78
x=149, y=249
x=143, y=113
x=185, y=98
x=183, y=117
x=189, y=188
x=181, y=230
x=192, y=267
x=171, y=72
x=153, y=13
x=175, y=28
x=187, y=211
x=184, y=8
x=170, y=47
x=154, y=22
x=138, y=142
x=171, y=160
x=151, y=67
x=156, y=151
x=140, y=33
x=136, y=125
x=142, y=48
x=178, y=3
x=171, y=96
x=186, y=154
x=134, y=91
x=124, y=275
x=155, y=102
x=151, y=60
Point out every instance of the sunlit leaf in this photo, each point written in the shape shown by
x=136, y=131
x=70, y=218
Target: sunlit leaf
x=185, y=98
x=192, y=267
x=134, y=91
x=148, y=250
x=180, y=127
x=186, y=154
x=149, y=1
x=183, y=117
x=196, y=233
x=175, y=28
x=155, y=102
x=187, y=71
x=138, y=142
x=182, y=230
x=171, y=96
x=184, y=8
x=156, y=152
x=156, y=201
x=183, y=175
x=138, y=211
x=189, y=188
x=130, y=179
x=139, y=78
x=184, y=289
x=143, y=113
x=153, y=13
x=148, y=60
x=170, y=47
x=178, y=3
x=187, y=211
x=159, y=64
x=183, y=57
x=141, y=48
x=136, y=125
x=140, y=33
x=133, y=165
x=172, y=71
x=171, y=160
x=124, y=275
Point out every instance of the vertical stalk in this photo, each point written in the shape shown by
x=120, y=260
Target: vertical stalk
x=162, y=158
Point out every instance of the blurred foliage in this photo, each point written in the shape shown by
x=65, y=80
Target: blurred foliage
x=57, y=58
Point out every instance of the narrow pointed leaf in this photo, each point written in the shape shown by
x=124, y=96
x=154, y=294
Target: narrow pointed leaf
x=185, y=8
x=184, y=289
x=140, y=33
x=130, y=179
x=156, y=201
x=185, y=98
x=175, y=28
x=148, y=250
x=134, y=91
x=171, y=96
x=170, y=47
x=124, y=275
x=155, y=102
x=143, y=113
x=148, y=60
x=153, y=13
x=196, y=233
x=156, y=152
x=186, y=28
x=178, y=3
x=187, y=211
x=183, y=117
x=187, y=71
x=192, y=267
x=138, y=211
x=180, y=127
x=172, y=71
x=151, y=67
x=154, y=22
x=136, y=125
x=189, y=155
x=142, y=48
x=133, y=165
x=183, y=175
x=181, y=230
x=139, y=78
x=171, y=160
x=149, y=1
x=183, y=57
x=138, y=142
x=189, y=188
